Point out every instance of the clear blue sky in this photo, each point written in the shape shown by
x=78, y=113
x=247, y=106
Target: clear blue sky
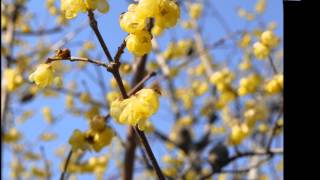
x=113, y=36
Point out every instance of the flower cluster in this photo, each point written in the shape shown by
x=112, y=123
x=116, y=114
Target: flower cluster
x=98, y=136
x=71, y=8
x=268, y=41
x=275, y=85
x=253, y=112
x=137, y=109
x=222, y=80
x=178, y=49
x=165, y=13
x=96, y=165
x=12, y=79
x=249, y=84
x=238, y=133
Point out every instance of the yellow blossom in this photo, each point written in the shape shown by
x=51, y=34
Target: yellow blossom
x=78, y=140
x=260, y=50
x=195, y=10
x=47, y=114
x=48, y=136
x=12, y=136
x=136, y=109
x=71, y=8
x=12, y=79
x=269, y=39
x=43, y=76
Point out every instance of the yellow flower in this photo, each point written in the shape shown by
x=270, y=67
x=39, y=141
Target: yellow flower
x=134, y=112
x=116, y=109
x=12, y=79
x=17, y=167
x=47, y=114
x=48, y=136
x=69, y=101
x=269, y=39
x=85, y=97
x=245, y=41
x=275, y=85
x=169, y=13
x=146, y=126
x=94, y=110
x=171, y=172
x=37, y=172
x=29, y=155
x=245, y=64
x=260, y=6
x=263, y=128
x=78, y=140
x=43, y=76
x=139, y=43
x=187, y=24
x=191, y=175
x=238, y=134
x=12, y=136
x=185, y=121
x=222, y=78
x=147, y=8
x=131, y=23
x=71, y=8
x=97, y=123
x=102, y=139
x=136, y=109
x=157, y=30
x=199, y=87
x=58, y=82
x=112, y=96
x=103, y=6
x=195, y=10
x=132, y=7
x=260, y=50
x=249, y=84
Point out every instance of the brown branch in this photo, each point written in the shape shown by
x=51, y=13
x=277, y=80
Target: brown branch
x=274, y=130
x=129, y=155
x=238, y=155
x=274, y=69
x=245, y=170
x=94, y=27
x=78, y=59
x=40, y=32
x=150, y=154
x=66, y=165
x=139, y=85
x=120, y=52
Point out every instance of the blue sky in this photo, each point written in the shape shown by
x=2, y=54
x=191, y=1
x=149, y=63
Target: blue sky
x=113, y=36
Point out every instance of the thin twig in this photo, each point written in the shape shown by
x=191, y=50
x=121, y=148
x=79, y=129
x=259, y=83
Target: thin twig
x=66, y=165
x=138, y=86
x=46, y=163
x=274, y=69
x=40, y=32
x=150, y=154
x=78, y=59
x=94, y=27
x=120, y=51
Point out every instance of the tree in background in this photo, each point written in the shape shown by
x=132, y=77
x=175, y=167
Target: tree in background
x=161, y=99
